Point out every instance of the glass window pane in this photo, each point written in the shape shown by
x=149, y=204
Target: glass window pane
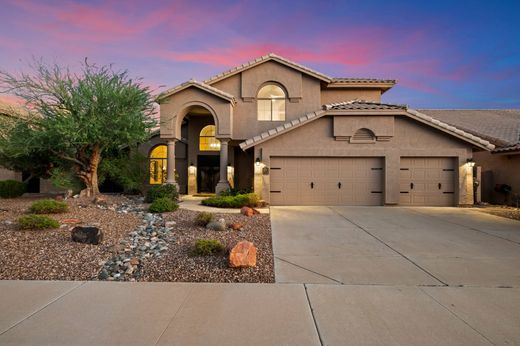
x=278, y=110
x=159, y=152
x=270, y=91
x=264, y=110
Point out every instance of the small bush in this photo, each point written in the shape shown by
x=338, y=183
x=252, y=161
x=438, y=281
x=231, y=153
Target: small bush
x=237, y=201
x=48, y=206
x=160, y=191
x=208, y=247
x=162, y=205
x=203, y=218
x=12, y=188
x=37, y=222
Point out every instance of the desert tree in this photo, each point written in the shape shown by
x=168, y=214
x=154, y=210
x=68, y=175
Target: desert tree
x=75, y=118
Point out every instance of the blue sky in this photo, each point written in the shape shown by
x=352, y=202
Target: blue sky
x=444, y=54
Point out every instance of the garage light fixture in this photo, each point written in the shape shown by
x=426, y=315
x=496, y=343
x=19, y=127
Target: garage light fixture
x=470, y=162
x=257, y=162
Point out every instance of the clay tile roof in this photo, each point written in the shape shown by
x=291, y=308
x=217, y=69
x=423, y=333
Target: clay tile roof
x=499, y=126
x=199, y=85
x=363, y=80
x=361, y=105
x=357, y=105
x=262, y=59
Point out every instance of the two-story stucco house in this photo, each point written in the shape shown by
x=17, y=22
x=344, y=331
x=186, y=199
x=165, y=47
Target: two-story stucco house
x=299, y=137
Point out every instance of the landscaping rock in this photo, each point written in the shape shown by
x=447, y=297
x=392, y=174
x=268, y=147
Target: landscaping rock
x=243, y=255
x=71, y=221
x=100, y=200
x=247, y=211
x=219, y=225
x=59, y=198
x=87, y=235
x=236, y=226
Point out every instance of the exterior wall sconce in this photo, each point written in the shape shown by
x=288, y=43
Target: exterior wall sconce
x=192, y=170
x=470, y=162
x=257, y=161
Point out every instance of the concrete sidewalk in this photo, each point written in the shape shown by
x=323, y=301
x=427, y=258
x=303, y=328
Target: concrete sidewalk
x=108, y=313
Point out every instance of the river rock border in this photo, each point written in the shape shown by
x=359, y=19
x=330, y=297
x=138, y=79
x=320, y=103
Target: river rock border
x=146, y=241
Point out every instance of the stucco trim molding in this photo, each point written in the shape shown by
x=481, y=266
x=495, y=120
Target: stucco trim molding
x=366, y=108
x=199, y=85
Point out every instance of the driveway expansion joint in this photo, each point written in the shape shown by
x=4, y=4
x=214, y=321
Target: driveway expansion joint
x=309, y=270
x=458, y=317
x=391, y=248
x=312, y=314
x=44, y=307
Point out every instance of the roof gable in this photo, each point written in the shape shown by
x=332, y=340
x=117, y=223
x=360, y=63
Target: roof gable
x=199, y=85
x=365, y=106
x=263, y=59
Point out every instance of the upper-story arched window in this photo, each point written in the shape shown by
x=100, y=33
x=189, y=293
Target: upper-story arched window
x=271, y=103
x=207, y=140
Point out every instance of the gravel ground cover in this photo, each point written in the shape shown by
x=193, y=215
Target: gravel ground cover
x=178, y=263
x=50, y=254
x=130, y=234
x=503, y=211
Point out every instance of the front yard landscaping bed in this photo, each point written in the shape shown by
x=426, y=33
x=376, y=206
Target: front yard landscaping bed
x=179, y=263
x=50, y=254
x=136, y=245
x=501, y=210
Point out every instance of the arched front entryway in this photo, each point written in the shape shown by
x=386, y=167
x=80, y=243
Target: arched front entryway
x=206, y=155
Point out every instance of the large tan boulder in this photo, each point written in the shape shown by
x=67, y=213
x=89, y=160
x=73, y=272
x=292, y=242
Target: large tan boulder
x=243, y=255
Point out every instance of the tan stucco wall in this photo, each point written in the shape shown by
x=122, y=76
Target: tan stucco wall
x=411, y=139
x=239, y=122
x=175, y=107
x=498, y=169
x=334, y=95
x=6, y=174
x=245, y=123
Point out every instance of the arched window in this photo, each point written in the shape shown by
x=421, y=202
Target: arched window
x=158, y=158
x=271, y=103
x=363, y=136
x=207, y=140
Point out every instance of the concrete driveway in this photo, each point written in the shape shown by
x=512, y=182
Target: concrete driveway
x=395, y=246
x=403, y=276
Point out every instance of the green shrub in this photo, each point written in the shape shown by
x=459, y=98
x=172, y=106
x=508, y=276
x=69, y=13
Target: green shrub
x=238, y=201
x=160, y=191
x=129, y=169
x=208, y=247
x=203, y=218
x=48, y=206
x=12, y=188
x=37, y=222
x=162, y=205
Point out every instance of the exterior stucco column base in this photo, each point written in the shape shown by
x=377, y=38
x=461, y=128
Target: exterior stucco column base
x=223, y=183
x=170, y=173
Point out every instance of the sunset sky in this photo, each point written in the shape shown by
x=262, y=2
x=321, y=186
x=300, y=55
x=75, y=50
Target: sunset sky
x=444, y=54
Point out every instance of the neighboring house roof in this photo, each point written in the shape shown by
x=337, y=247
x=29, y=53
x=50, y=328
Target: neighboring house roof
x=359, y=105
x=499, y=126
x=263, y=59
x=199, y=85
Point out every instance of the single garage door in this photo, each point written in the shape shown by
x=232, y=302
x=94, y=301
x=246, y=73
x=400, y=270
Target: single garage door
x=326, y=181
x=428, y=181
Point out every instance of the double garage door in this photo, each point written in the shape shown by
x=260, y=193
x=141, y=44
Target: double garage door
x=326, y=181
x=359, y=181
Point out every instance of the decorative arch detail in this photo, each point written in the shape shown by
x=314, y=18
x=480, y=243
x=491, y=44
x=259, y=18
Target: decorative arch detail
x=363, y=135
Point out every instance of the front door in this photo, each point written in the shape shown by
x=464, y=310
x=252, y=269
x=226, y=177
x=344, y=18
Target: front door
x=208, y=173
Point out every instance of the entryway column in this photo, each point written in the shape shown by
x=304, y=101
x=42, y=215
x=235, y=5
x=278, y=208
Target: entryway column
x=170, y=175
x=223, y=183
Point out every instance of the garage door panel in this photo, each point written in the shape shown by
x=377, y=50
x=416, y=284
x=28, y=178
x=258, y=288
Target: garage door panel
x=427, y=181
x=336, y=181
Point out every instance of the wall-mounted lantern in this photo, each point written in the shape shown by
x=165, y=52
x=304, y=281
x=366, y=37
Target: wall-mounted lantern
x=257, y=161
x=470, y=162
x=192, y=170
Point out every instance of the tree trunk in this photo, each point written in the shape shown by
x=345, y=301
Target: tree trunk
x=90, y=177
